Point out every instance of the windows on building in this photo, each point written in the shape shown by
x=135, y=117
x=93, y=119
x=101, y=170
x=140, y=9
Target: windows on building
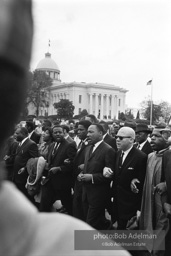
x=119, y=102
x=80, y=98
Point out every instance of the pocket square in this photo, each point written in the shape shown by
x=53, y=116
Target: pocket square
x=130, y=168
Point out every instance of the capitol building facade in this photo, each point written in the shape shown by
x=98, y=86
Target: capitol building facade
x=105, y=101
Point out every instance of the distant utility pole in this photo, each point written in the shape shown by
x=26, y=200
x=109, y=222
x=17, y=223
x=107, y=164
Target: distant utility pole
x=150, y=82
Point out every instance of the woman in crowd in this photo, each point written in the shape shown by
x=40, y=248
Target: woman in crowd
x=47, y=140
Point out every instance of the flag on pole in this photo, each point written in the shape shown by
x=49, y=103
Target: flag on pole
x=149, y=82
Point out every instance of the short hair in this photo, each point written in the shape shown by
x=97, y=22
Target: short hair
x=93, y=118
x=57, y=126
x=24, y=131
x=66, y=127
x=85, y=123
x=105, y=125
x=30, y=124
x=99, y=127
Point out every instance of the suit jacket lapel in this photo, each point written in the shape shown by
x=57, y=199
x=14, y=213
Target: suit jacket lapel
x=20, y=148
x=126, y=162
x=128, y=158
x=81, y=149
x=97, y=150
x=57, y=150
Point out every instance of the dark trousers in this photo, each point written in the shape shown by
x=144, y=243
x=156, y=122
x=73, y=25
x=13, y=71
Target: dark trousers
x=50, y=195
x=122, y=224
x=77, y=201
x=95, y=215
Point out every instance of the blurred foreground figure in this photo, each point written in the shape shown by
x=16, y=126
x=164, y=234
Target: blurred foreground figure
x=23, y=230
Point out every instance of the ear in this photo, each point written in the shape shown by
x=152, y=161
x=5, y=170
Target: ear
x=132, y=140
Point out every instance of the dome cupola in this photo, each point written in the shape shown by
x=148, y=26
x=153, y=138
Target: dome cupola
x=49, y=66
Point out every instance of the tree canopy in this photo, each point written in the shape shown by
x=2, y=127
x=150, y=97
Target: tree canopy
x=160, y=110
x=38, y=82
x=65, y=109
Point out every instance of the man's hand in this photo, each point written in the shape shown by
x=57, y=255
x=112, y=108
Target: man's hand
x=84, y=177
x=161, y=188
x=167, y=209
x=107, y=172
x=133, y=186
x=21, y=170
x=54, y=170
x=6, y=157
x=81, y=167
x=67, y=161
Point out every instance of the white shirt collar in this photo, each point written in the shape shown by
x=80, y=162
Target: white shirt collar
x=23, y=141
x=104, y=135
x=141, y=145
x=30, y=134
x=96, y=145
x=126, y=153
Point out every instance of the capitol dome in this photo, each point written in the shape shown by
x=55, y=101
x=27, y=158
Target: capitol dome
x=49, y=66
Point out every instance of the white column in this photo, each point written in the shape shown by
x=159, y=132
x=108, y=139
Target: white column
x=116, y=106
x=112, y=106
x=101, y=111
x=96, y=105
x=91, y=102
x=107, y=105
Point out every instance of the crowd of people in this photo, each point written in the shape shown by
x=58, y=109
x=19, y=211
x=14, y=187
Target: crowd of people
x=101, y=177
x=105, y=178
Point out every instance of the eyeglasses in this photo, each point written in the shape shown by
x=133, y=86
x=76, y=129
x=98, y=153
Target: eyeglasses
x=121, y=137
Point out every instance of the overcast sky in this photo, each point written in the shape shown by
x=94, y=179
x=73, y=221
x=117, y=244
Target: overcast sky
x=120, y=42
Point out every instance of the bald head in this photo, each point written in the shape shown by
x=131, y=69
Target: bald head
x=125, y=138
x=126, y=131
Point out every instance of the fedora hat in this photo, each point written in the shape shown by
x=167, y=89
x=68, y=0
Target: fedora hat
x=142, y=128
x=130, y=124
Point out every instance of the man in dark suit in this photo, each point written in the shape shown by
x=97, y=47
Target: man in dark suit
x=106, y=137
x=142, y=133
x=32, y=134
x=60, y=166
x=26, y=149
x=96, y=189
x=78, y=167
x=130, y=166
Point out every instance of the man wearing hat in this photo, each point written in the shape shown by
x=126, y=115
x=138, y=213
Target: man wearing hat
x=143, y=144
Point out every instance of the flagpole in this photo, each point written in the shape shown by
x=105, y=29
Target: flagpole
x=48, y=45
x=151, y=108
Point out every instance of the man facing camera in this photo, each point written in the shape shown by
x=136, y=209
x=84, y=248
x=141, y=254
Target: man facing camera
x=96, y=188
x=130, y=166
x=142, y=133
x=60, y=167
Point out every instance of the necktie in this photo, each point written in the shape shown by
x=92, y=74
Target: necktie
x=55, y=148
x=121, y=159
x=80, y=145
x=91, y=150
x=18, y=147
